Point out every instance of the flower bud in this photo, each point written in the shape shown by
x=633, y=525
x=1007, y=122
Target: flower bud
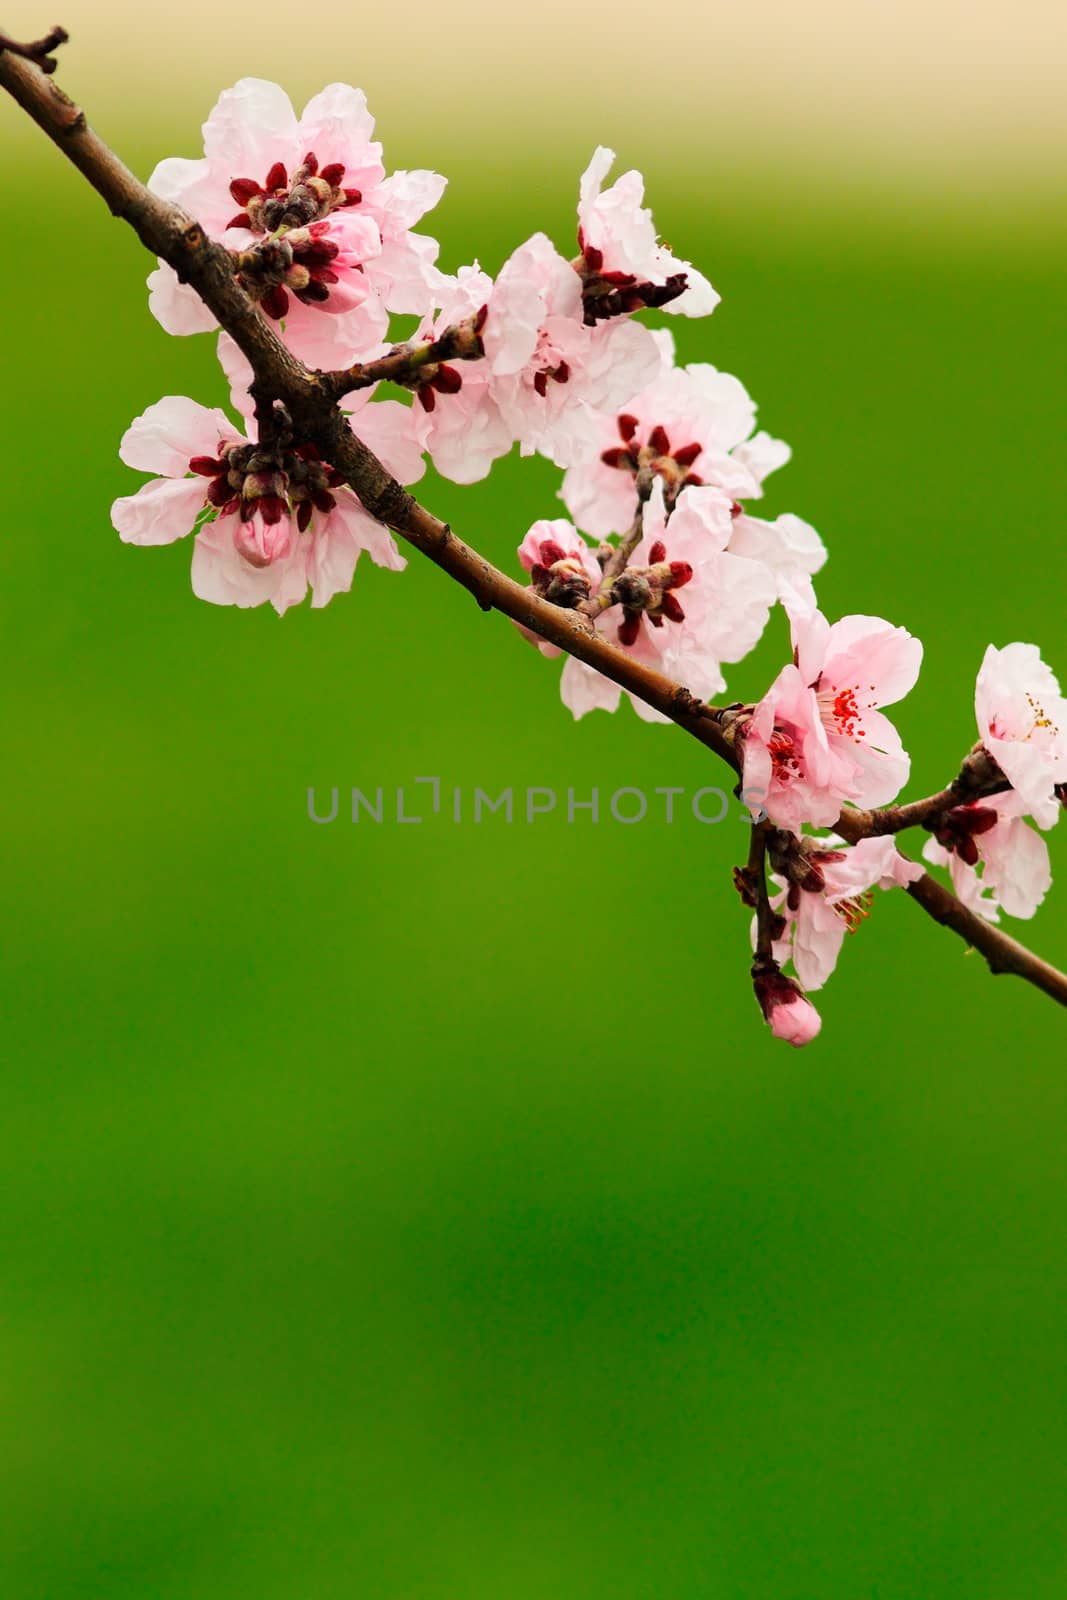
x=786, y=1008
x=261, y=543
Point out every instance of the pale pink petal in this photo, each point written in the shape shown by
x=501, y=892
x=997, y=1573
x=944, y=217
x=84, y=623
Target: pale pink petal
x=160, y=512
x=176, y=307
x=600, y=502
x=583, y=689
x=465, y=433
x=221, y=576
x=166, y=437
x=1017, y=866
x=388, y=428
x=337, y=126
x=371, y=535
x=882, y=660
x=404, y=198
x=325, y=341
x=790, y=547
x=763, y=454
x=404, y=275
x=251, y=126
x=818, y=934
x=196, y=187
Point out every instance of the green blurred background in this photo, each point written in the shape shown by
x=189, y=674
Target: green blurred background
x=418, y=1212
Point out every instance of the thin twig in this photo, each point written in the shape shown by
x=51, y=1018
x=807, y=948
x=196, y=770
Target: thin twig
x=40, y=51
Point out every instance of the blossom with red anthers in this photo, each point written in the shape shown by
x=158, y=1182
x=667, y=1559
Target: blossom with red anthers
x=559, y=576
x=250, y=482
x=612, y=293
x=673, y=465
x=648, y=592
x=283, y=202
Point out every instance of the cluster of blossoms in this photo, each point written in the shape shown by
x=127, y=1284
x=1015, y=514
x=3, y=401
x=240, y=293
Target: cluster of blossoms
x=662, y=465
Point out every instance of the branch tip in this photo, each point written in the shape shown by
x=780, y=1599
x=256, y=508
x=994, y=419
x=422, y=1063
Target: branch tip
x=39, y=51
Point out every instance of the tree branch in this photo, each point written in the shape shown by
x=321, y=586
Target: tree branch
x=410, y=364
x=40, y=51
x=309, y=398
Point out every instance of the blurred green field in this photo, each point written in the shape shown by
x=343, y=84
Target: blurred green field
x=423, y=1213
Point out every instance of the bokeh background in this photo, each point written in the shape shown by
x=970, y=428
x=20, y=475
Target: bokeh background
x=423, y=1212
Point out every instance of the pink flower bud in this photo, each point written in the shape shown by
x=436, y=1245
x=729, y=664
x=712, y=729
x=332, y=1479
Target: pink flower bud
x=261, y=543
x=790, y=1014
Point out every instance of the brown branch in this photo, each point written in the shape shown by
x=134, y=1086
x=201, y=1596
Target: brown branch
x=40, y=51
x=978, y=778
x=756, y=879
x=409, y=364
x=1001, y=951
x=619, y=558
x=309, y=398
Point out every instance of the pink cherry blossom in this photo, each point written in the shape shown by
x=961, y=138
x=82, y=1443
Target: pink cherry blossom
x=307, y=201
x=1007, y=867
x=817, y=739
x=789, y=1013
x=817, y=918
x=461, y=425
x=618, y=241
x=546, y=365
x=1022, y=722
x=685, y=426
x=713, y=608
x=275, y=529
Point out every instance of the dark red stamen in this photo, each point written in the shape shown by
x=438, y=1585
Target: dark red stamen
x=630, y=627
x=219, y=492
x=243, y=189
x=275, y=302
x=277, y=177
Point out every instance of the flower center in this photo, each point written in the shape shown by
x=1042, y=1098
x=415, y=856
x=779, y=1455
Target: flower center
x=1041, y=725
x=549, y=364
x=841, y=711
x=283, y=202
x=648, y=592
x=782, y=746
x=247, y=481
x=671, y=463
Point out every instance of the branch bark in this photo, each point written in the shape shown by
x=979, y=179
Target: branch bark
x=178, y=239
